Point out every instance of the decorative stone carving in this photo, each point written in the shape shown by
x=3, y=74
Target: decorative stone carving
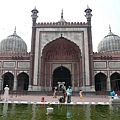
x=99, y=64
x=23, y=64
x=114, y=64
x=8, y=64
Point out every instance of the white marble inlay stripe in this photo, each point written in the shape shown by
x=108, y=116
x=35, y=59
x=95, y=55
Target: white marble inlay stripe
x=24, y=102
x=32, y=102
x=9, y=101
x=101, y=103
x=72, y=103
x=15, y=101
x=93, y=102
x=86, y=102
x=79, y=102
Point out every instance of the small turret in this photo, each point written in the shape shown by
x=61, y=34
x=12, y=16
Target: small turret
x=34, y=15
x=88, y=14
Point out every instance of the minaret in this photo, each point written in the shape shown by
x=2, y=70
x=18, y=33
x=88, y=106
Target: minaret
x=90, y=48
x=34, y=15
x=32, y=53
x=88, y=15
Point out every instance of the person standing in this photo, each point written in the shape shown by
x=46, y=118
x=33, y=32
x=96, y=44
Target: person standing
x=69, y=93
x=54, y=93
x=6, y=93
x=112, y=94
x=80, y=93
x=64, y=94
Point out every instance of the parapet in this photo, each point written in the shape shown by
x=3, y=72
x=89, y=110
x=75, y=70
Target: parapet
x=106, y=53
x=51, y=24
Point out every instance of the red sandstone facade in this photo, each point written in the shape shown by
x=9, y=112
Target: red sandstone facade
x=61, y=56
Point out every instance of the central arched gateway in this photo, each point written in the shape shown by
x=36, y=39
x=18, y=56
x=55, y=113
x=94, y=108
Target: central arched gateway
x=61, y=74
x=61, y=62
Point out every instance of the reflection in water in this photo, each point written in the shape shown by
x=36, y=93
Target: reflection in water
x=5, y=108
x=33, y=112
x=13, y=109
x=61, y=112
x=87, y=112
x=49, y=117
x=110, y=107
x=69, y=111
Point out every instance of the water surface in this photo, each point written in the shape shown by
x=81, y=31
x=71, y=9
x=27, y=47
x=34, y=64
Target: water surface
x=61, y=112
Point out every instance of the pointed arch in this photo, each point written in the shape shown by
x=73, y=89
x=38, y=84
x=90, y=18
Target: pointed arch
x=115, y=81
x=100, y=82
x=22, y=81
x=8, y=79
x=62, y=74
x=61, y=49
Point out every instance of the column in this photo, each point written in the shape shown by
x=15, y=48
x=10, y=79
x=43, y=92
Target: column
x=15, y=84
x=108, y=84
x=1, y=84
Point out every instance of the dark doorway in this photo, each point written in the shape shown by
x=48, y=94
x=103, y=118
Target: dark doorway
x=100, y=82
x=8, y=79
x=61, y=74
x=22, y=81
x=115, y=81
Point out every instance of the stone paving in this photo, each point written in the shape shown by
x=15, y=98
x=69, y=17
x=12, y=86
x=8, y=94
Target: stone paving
x=49, y=99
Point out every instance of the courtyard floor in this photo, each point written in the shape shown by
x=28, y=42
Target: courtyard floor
x=36, y=99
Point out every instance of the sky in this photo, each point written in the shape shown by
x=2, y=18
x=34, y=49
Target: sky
x=18, y=13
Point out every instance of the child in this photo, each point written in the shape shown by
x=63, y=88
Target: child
x=54, y=93
x=80, y=93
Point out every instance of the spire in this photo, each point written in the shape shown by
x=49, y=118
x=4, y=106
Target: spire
x=62, y=14
x=15, y=30
x=109, y=28
x=62, y=19
x=110, y=33
x=88, y=7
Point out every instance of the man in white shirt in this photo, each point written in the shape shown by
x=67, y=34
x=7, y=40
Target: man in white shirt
x=6, y=93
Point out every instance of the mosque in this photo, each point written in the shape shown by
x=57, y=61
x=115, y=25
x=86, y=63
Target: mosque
x=61, y=55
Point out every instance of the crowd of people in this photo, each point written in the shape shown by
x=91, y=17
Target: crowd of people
x=67, y=93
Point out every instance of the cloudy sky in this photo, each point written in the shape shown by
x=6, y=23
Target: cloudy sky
x=18, y=13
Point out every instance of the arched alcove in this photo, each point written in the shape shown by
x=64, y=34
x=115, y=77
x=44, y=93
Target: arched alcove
x=61, y=49
x=58, y=52
x=115, y=81
x=100, y=82
x=61, y=74
x=8, y=79
x=22, y=81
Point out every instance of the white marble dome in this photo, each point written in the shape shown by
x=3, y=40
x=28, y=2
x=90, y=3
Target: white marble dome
x=109, y=43
x=13, y=43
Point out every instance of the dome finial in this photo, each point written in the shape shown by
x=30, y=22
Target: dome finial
x=15, y=30
x=62, y=14
x=109, y=28
x=62, y=19
x=88, y=7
